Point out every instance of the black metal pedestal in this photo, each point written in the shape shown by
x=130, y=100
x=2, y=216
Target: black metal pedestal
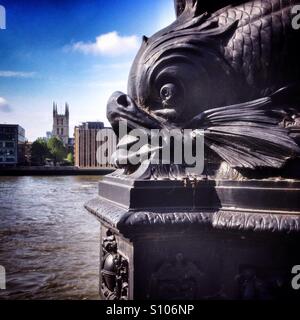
x=201, y=240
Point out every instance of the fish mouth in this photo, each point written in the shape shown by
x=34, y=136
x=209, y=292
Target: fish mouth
x=126, y=117
x=121, y=108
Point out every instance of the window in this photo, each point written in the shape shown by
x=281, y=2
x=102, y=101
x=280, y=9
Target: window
x=9, y=144
x=62, y=131
x=57, y=131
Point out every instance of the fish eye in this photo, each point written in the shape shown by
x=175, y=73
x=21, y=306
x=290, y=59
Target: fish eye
x=168, y=91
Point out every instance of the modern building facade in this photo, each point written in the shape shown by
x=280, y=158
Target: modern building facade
x=94, y=145
x=61, y=124
x=12, y=144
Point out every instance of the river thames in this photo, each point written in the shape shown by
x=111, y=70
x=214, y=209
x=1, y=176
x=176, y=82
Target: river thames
x=49, y=244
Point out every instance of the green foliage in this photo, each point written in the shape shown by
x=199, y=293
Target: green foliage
x=39, y=151
x=70, y=158
x=57, y=149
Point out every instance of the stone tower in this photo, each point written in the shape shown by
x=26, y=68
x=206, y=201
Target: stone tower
x=61, y=124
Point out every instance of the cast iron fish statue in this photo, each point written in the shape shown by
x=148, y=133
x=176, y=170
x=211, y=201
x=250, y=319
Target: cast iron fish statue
x=233, y=73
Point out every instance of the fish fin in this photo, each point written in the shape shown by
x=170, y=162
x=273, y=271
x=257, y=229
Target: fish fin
x=145, y=39
x=201, y=6
x=249, y=135
x=190, y=7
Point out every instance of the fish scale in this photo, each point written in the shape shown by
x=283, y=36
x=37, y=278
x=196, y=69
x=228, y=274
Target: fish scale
x=256, y=48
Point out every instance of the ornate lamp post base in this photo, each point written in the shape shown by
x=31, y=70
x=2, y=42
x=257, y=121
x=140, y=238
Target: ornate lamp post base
x=214, y=242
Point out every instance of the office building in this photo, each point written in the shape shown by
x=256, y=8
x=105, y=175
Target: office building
x=12, y=144
x=94, y=145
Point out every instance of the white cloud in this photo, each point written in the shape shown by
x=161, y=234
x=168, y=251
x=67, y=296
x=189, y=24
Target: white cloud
x=4, y=106
x=16, y=74
x=109, y=44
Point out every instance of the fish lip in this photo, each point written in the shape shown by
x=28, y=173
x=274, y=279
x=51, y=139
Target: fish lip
x=167, y=112
x=122, y=108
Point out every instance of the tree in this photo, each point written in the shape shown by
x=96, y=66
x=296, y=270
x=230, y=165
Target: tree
x=70, y=158
x=57, y=149
x=39, y=151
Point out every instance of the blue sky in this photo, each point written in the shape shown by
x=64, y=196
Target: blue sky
x=78, y=51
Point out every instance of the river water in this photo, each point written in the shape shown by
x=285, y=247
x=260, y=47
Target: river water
x=49, y=244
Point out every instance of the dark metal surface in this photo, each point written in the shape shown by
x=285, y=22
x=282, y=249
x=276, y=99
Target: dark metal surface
x=205, y=5
x=230, y=219
x=171, y=260
x=266, y=195
x=243, y=60
x=232, y=232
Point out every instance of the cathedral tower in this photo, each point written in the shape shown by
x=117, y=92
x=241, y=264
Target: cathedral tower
x=61, y=124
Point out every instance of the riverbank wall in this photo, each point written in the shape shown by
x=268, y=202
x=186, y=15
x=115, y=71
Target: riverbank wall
x=53, y=171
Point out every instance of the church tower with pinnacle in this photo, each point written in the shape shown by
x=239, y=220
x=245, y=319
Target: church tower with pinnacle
x=61, y=124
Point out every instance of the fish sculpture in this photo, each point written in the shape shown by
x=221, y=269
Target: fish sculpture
x=233, y=73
